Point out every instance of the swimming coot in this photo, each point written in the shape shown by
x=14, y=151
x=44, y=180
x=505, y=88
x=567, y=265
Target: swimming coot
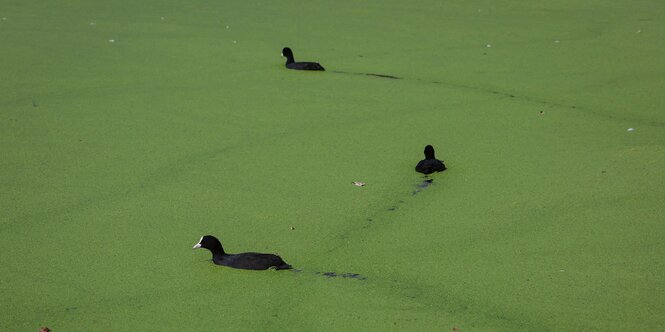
x=292, y=64
x=247, y=260
x=430, y=164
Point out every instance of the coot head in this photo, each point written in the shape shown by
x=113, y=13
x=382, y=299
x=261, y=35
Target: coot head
x=288, y=54
x=429, y=152
x=211, y=243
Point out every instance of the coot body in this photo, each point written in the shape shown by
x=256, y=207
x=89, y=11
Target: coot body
x=292, y=64
x=246, y=261
x=430, y=164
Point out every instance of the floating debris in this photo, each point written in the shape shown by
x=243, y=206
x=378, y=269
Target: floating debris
x=488, y=45
x=111, y=40
x=358, y=183
x=631, y=129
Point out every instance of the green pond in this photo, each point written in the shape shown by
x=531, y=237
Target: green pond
x=129, y=129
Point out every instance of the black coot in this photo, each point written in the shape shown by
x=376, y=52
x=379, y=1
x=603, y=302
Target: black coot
x=292, y=64
x=430, y=164
x=247, y=260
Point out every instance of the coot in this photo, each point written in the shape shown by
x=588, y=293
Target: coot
x=247, y=260
x=430, y=164
x=292, y=64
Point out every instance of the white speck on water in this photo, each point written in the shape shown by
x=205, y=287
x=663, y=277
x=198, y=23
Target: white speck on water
x=638, y=31
x=488, y=45
x=162, y=18
x=111, y=40
x=557, y=41
x=228, y=27
x=235, y=42
x=631, y=129
x=4, y=18
x=92, y=23
x=562, y=270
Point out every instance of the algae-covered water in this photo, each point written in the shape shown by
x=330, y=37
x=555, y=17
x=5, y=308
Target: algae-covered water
x=128, y=129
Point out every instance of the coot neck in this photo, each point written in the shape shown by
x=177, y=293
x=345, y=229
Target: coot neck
x=290, y=59
x=216, y=249
x=429, y=152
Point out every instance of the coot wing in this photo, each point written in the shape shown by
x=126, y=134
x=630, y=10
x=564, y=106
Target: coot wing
x=305, y=66
x=254, y=261
x=428, y=166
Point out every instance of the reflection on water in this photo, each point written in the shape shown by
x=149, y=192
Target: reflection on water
x=426, y=183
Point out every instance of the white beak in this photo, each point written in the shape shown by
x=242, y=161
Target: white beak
x=198, y=245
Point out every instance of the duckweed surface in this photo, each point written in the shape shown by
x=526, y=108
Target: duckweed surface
x=128, y=129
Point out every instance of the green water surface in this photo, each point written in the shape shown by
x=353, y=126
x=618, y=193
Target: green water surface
x=128, y=129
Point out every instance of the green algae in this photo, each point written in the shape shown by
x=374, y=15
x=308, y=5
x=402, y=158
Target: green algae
x=117, y=156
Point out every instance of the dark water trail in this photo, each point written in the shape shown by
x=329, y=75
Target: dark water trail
x=527, y=99
x=426, y=183
x=367, y=74
x=370, y=222
x=335, y=274
x=329, y=274
x=383, y=76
